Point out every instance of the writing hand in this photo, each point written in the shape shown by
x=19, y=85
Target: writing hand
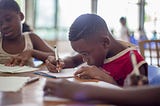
x=53, y=65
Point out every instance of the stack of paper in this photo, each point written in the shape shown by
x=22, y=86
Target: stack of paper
x=12, y=84
x=16, y=69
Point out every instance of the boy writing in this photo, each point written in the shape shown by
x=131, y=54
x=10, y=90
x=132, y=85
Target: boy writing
x=17, y=48
x=108, y=60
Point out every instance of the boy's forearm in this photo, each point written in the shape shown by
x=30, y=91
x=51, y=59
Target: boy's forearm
x=73, y=61
x=134, y=96
x=105, y=77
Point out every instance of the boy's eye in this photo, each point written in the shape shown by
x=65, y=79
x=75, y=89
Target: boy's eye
x=8, y=19
x=84, y=54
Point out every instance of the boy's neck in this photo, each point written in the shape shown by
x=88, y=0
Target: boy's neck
x=115, y=48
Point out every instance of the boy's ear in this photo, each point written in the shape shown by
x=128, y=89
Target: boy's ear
x=21, y=16
x=106, y=42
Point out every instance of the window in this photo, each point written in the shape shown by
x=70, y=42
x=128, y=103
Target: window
x=54, y=17
x=112, y=10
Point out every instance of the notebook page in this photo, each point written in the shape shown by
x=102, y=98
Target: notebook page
x=63, y=73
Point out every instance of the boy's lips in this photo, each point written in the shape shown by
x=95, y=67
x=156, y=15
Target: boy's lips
x=7, y=33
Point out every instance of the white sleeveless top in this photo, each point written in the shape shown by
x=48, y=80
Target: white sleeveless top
x=4, y=56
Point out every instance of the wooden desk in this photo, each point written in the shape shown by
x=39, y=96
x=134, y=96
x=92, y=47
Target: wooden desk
x=31, y=94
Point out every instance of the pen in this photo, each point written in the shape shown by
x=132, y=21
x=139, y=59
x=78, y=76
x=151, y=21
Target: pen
x=57, y=58
x=44, y=74
x=31, y=80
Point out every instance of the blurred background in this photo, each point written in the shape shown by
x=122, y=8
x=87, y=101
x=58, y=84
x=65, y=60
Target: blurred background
x=51, y=19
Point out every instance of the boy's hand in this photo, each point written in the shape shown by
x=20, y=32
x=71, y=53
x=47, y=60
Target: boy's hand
x=90, y=72
x=21, y=59
x=138, y=80
x=59, y=87
x=53, y=65
x=66, y=89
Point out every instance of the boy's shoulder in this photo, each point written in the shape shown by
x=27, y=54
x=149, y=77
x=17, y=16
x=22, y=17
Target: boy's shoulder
x=126, y=44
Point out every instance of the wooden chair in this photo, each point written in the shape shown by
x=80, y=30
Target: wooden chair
x=150, y=50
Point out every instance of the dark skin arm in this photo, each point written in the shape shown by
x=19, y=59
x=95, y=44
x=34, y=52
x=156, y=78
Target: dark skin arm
x=93, y=72
x=144, y=95
x=40, y=51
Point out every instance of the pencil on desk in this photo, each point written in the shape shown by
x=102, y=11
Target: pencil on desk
x=57, y=58
x=31, y=80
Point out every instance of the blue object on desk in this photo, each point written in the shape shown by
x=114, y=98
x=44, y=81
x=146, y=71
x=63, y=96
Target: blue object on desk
x=44, y=74
x=153, y=75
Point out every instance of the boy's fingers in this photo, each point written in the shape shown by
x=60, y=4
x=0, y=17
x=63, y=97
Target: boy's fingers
x=51, y=59
x=48, y=88
x=80, y=70
x=51, y=67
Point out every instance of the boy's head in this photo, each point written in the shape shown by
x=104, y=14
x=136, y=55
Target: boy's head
x=90, y=37
x=10, y=18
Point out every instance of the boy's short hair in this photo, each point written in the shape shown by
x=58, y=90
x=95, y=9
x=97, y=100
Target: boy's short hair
x=87, y=25
x=9, y=5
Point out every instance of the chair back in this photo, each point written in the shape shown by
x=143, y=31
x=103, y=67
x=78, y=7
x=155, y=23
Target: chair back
x=150, y=50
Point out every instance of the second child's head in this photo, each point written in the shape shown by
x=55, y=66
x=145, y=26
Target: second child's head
x=10, y=19
x=89, y=36
x=123, y=21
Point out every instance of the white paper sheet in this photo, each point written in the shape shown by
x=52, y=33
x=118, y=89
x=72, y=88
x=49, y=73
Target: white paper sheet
x=16, y=69
x=12, y=84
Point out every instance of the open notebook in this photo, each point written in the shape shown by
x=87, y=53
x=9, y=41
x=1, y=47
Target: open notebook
x=64, y=73
x=16, y=69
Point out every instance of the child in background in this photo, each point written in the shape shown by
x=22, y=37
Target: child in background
x=108, y=60
x=124, y=31
x=17, y=48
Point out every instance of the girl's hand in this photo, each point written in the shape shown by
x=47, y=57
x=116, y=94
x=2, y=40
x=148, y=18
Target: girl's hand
x=21, y=59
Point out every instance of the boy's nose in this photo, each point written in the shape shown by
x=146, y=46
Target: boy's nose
x=4, y=25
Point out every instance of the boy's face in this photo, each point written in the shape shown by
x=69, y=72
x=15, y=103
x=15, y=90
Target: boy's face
x=93, y=52
x=10, y=23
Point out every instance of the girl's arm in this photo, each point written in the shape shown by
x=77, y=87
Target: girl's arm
x=41, y=50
